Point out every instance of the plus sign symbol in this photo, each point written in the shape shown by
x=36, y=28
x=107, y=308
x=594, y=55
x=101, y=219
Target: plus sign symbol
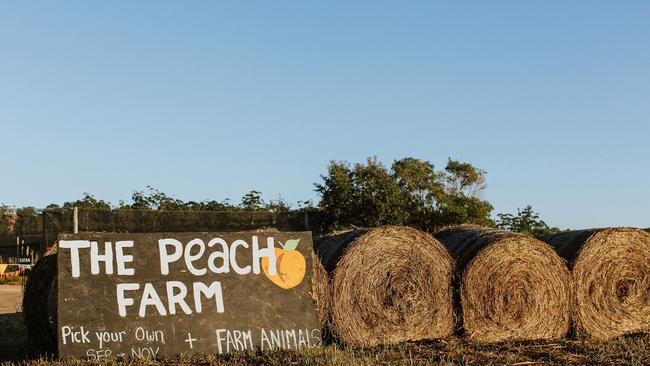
x=190, y=340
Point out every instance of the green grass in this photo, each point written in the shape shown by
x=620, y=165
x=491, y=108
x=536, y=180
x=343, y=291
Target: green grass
x=631, y=350
x=11, y=281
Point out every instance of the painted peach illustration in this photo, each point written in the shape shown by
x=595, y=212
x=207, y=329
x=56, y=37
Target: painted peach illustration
x=289, y=263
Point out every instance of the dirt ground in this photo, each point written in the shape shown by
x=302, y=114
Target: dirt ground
x=14, y=342
x=11, y=298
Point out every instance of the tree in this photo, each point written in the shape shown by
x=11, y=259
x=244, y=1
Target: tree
x=460, y=202
x=526, y=221
x=27, y=221
x=252, y=201
x=377, y=197
x=337, y=195
x=279, y=205
x=421, y=187
x=464, y=179
x=455, y=209
x=411, y=193
x=213, y=205
x=88, y=201
x=7, y=219
x=367, y=195
x=155, y=200
x=307, y=205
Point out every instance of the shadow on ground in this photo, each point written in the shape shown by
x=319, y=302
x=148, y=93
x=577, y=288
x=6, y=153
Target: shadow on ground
x=14, y=341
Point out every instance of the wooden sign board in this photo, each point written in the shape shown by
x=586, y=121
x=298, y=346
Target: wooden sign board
x=161, y=294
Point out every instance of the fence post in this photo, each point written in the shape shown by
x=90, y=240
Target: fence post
x=307, y=220
x=44, y=243
x=75, y=220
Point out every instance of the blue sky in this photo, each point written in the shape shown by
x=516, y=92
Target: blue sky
x=213, y=99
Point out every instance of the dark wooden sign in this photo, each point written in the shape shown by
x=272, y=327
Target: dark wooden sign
x=161, y=294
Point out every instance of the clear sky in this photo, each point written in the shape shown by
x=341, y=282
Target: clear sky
x=213, y=99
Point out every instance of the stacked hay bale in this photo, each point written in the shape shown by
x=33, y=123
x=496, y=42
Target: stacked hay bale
x=386, y=285
x=320, y=295
x=512, y=286
x=40, y=302
x=611, y=276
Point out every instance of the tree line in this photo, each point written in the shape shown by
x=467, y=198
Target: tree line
x=408, y=192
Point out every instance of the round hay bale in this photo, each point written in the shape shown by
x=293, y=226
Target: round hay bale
x=611, y=278
x=512, y=286
x=319, y=293
x=388, y=285
x=40, y=302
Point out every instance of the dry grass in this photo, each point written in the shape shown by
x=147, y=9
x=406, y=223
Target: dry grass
x=631, y=350
x=611, y=275
x=320, y=295
x=512, y=287
x=388, y=285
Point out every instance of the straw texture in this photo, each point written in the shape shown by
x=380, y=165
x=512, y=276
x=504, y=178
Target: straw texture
x=40, y=302
x=512, y=286
x=387, y=285
x=611, y=276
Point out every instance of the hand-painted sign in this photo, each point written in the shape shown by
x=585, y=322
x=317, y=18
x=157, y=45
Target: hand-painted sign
x=147, y=295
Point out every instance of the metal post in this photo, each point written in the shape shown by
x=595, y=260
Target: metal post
x=75, y=220
x=17, y=248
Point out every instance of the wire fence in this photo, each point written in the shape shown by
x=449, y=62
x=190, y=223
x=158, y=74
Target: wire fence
x=40, y=229
x=174, y=221
x=15, y=249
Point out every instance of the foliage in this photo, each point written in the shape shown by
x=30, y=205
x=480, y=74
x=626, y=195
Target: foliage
x=412, y=192
x=8, y=219
x=368, y=194
x=88, y=201
x=526, y=221
x=279, y=205
x=153, y=199
x=463, y=178
x=460, y=209
x=307, y=205
x=252, y=201
x=337, y=194
x=421, y=186
x=17, y=280
x=27, y=220
x=378, y=199
x=363, y=195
